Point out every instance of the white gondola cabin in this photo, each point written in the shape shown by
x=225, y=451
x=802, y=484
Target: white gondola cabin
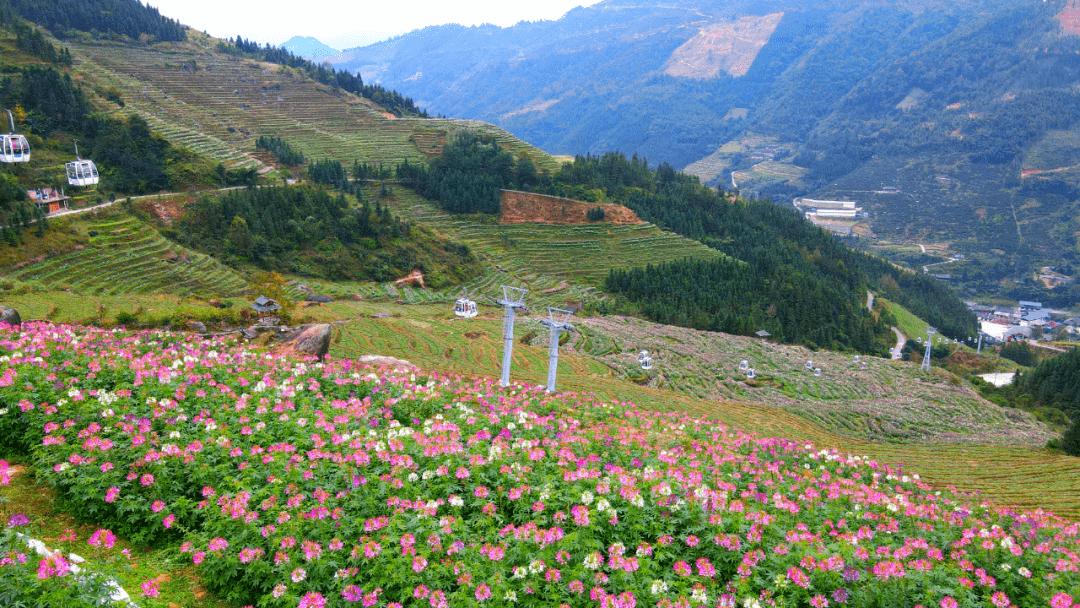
x=14, y=148
x=464, y=307
x=645, y=359
x=81, y=172
x=750, y=374
x=744, y=365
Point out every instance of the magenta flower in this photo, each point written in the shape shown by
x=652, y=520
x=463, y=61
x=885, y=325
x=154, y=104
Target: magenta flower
x=312, y=599
x=150, y=588
x=147, y=479
x=1061, y=600
x=112, y=493
x=198, y=557
x=102, y=537
x=483, y=592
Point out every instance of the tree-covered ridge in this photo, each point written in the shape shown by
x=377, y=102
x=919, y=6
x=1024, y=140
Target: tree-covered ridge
x=311, y=232
x=282, y=151
x=31, y=40
x=391, y=101
x=1055, y=383
x=733, y=297
x=129, y=18
x=774, y=240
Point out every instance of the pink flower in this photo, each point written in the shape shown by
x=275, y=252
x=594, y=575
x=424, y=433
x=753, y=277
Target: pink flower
x=312, y=599
x=157, y=506
x=1061, y=600
x=482, y=592
x=150, y=588
x=1000, y=600
x=198, y=557
x=682, y=568
x=419, y=563
x=111, y=494
x=102, y=537
x=692, y=540
x=949, y=602
x=169, y=520
x=352, y=593
x=819, y=601
x=147, y=479
x=218, y=544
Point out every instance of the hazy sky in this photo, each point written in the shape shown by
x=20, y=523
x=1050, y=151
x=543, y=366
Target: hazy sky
x=346, y=25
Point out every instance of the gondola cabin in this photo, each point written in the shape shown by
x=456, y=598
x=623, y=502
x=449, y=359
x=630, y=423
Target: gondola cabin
x=82, y=173
x=14, y=148
x=645, y=359
x=465, y=308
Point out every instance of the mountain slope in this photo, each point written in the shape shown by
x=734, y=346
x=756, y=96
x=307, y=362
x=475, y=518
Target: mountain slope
x=968, y=109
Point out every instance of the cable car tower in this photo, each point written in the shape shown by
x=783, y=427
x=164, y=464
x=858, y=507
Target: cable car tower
x=558, y=320
x=926, y=358
x=14, y=148
x=81, y=172
x=513, y=299
x=464, y=307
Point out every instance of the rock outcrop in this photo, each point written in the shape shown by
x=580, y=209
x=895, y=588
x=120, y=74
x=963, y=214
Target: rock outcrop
x=309, y=340
x=10, y=316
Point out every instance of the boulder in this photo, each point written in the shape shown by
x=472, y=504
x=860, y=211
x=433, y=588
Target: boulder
x=357, y=297
x=217, y=303
x=196, y=326
x=319, y=298
x=10, y=316
x=307, y=341
x=384, y=361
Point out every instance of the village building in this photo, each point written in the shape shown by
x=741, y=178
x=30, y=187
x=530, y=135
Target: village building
x=48, y=200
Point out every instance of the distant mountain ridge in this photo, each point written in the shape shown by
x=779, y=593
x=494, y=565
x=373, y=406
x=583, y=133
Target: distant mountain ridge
x=307, y=47
x=969, y=111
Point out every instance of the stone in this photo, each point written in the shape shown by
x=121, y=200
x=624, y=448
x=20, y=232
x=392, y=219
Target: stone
x=196, y=326
x=385, y=361
x=217, y=303
x=307, y=341
x=357, y=297
x=10, y=316
x=322, y=299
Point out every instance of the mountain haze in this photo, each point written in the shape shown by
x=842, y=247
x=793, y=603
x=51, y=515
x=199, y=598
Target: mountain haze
x=308, y=47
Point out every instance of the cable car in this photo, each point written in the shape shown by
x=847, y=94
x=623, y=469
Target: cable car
x=750, y=375
x=744, y=365
x=645, y=359
x=856, y=358
x=809, y=365
x=81, y=172
x=14, y=148
x=464, y=307
x=817, y=372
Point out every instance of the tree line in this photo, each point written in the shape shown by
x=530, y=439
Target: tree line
x=129, y=18
x=310, y=231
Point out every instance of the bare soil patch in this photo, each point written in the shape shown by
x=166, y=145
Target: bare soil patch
x=527, y=207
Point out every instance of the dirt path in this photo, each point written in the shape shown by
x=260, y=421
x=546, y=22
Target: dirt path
x=900, y=342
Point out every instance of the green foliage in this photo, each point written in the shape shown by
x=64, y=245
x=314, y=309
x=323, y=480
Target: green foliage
x=329, y=172
x=595, y=214
x=467, y=177
x=29, y=39
x=1070, y=442
x=1055, y=383
x=281, y=150
x=1020, y=352
x=308, y=231
x=129, y=18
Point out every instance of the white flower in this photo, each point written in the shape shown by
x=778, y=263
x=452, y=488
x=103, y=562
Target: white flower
x=510, y=596
x=699, y=595
x=659, y=587
x=586, y=497
x=413, y=477
x=593, y=561
x=456, y=501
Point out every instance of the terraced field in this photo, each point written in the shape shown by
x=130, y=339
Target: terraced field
x=125, y=256
x=218, y=105
x=547, y=259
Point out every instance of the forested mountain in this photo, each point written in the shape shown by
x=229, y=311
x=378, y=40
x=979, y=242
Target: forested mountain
x=124, y=17
x=781, y=273
x=950, y=122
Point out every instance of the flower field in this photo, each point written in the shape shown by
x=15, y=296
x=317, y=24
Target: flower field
x=300, y=484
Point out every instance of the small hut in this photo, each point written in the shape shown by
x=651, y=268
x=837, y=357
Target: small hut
x=764, y=335
x=265, y=306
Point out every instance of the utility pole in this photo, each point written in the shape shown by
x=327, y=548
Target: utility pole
x=926, y=358
x=513, y=299
x=557, y=321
